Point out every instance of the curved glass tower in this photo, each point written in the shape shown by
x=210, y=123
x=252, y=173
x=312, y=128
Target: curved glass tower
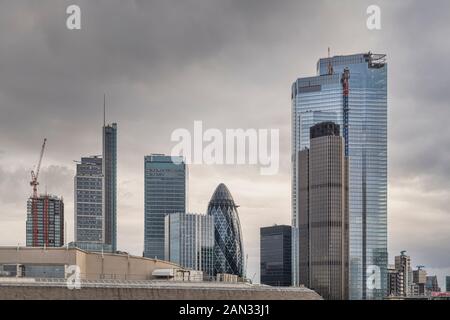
x=228, y=248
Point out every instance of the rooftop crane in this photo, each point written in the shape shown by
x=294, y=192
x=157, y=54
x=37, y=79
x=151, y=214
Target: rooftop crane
x=35, y=175
x=34, y=183
x=420, y=267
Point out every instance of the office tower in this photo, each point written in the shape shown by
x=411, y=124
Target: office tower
x=228, y=246
x=352, y=92
x=403, y=267
x=323, y=215
x=275, y=256
x=89, y=222
x=189, y=241
x=45, y=228
x=165, y=192
x=432, y=284
x=110, y=185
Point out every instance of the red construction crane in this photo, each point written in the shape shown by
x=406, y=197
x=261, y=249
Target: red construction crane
x=34, y=183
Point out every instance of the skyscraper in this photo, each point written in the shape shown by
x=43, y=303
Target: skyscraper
x=352, y=92
x=165, y=192
x=190, y=241
x=323, y=215
x=228, y=246
x=45, y=228
x=110, y=184
x=276, y=253
x=89, y=222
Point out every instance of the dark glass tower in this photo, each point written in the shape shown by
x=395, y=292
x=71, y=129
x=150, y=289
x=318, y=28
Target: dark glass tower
x=110, y=184
x=228, y=246
x=276, y=253
x=165, y=193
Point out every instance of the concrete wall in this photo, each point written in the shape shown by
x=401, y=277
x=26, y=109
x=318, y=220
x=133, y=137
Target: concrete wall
x=45, y=293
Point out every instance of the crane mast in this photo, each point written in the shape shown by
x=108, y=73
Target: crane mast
x=34, y=183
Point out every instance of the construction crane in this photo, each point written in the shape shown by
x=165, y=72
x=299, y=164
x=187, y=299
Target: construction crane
x=420, y=267
x=35, y=175
x=34, y=183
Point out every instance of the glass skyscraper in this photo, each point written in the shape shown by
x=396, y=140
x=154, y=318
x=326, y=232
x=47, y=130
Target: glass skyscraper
x=110, y=184
x=89, y=202
x=190, y=241
x=276, y=253
x=165, y=192
x=352, y=92
x=228, y=245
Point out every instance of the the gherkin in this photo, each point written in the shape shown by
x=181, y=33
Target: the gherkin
x=228, y=246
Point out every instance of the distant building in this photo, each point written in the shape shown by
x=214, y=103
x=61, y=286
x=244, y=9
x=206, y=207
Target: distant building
x=403, y=267
x=190, y=241
x=89, y=222
x=228, y=244
x=395, y=280
x=419, y=282
x=323, y=213
x=45, y=221
x=432, y=284
x=165, y=192
x=447, y=283
x=276, y=255
x=110, y=185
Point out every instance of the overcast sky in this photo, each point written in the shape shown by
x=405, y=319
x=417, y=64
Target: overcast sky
x=230, y=63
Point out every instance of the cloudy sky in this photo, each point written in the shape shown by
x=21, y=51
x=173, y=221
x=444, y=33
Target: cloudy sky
x=230, y=63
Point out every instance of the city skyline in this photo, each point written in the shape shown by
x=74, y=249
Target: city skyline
x=151, y=94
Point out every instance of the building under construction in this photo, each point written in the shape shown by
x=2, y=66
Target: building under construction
x=45, y=221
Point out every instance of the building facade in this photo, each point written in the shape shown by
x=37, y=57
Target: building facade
x=447, y=283
x=228, y=245
x=276, y=256
x=324, y=213
x=189, y=241
x=403, y=267
x=45, y=221
x=352, y=92
x=110, y=185
x=88, y=186
x=432, y=284
x=165, y=192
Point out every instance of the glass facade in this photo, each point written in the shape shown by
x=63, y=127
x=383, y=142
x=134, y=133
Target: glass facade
x=363, y=115
x=190, y=241
x=110, y=185
x=275, y=253
x=88, y=201
x=165, y=192
x=228, y=245
x=46, y=228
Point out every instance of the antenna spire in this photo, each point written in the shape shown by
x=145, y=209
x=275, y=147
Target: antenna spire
x=104, y=109
x=330, y=65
